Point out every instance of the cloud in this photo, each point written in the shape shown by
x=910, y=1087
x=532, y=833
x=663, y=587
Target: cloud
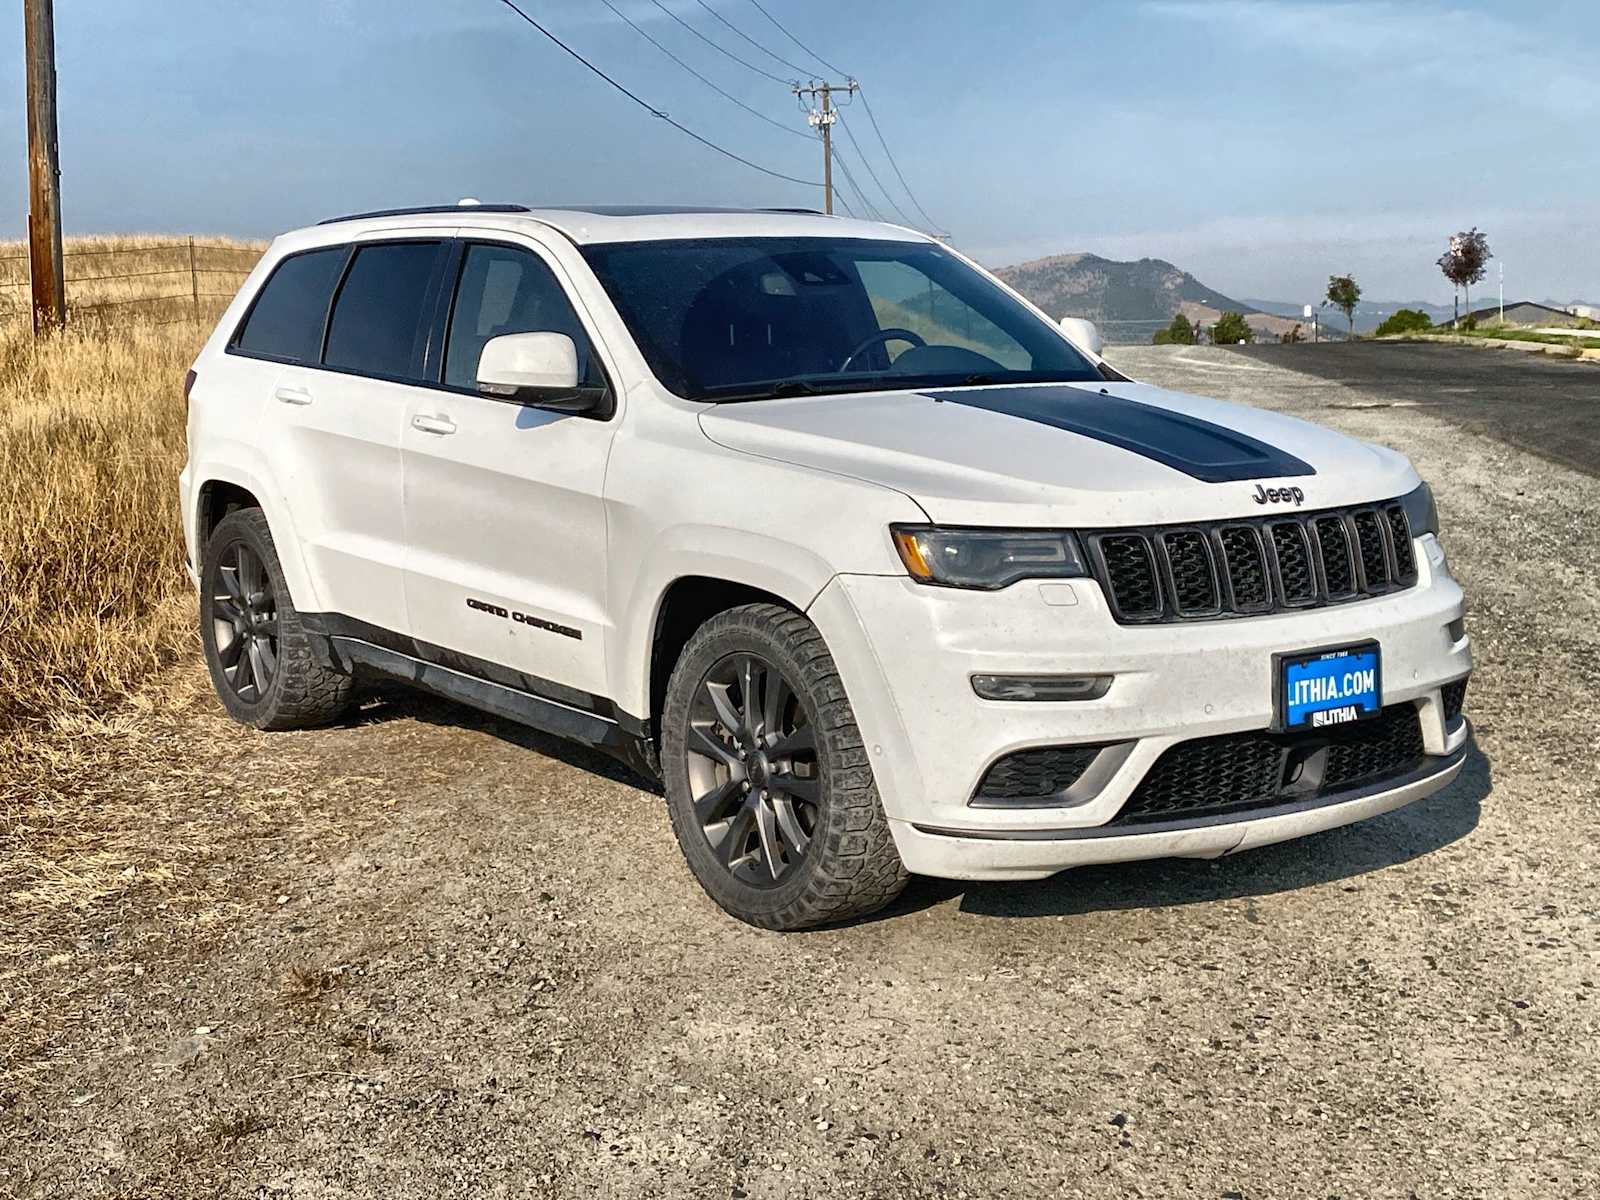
x=1436, y=44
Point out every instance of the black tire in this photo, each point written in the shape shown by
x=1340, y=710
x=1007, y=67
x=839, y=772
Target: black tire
x=263, y=663
x=835, y=857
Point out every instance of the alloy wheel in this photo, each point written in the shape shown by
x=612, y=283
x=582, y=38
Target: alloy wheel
x=244, y=620
x=753, y=769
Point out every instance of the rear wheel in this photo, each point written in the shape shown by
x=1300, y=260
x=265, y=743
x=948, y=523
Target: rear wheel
x=263, y=663
x=768, y=783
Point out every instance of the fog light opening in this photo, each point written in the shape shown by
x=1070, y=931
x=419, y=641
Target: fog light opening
x=1041, y=687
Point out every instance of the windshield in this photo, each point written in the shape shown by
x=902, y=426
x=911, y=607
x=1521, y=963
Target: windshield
x=754, y=318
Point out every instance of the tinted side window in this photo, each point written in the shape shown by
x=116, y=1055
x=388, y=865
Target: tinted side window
x=287, y=318
x=377, y=317
x=507, y=290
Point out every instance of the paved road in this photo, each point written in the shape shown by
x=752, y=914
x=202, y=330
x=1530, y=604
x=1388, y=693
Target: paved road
x=427, y=953
x=1548, y=406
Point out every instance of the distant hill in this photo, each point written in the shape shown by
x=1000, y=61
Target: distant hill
x=1128, y=300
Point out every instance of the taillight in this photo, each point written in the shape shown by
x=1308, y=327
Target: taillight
x=188, y=384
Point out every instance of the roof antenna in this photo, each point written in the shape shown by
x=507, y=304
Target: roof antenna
x=468, y=202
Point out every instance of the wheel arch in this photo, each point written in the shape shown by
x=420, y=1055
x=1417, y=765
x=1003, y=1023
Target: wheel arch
x=225, y=489
x=686, y=604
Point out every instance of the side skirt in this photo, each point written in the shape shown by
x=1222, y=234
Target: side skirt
x=354, y=647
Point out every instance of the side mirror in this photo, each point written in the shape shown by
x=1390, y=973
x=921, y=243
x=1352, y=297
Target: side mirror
x=538, y=369
x=1083, y=334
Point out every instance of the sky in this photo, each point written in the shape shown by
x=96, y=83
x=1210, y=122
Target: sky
x=1260, y=144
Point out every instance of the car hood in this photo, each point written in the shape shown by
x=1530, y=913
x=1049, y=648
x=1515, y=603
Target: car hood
x=1067, y=454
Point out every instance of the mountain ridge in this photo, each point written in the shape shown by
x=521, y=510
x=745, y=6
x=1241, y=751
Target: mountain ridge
x=1129, y=300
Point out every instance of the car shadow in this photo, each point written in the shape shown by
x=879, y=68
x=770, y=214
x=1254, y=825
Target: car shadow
x=381, y=702
x=1336, y=854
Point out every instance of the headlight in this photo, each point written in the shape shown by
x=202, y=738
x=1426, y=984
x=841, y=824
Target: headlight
x=987, y=559
x=1421, y=513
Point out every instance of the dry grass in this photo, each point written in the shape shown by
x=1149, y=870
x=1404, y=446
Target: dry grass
x=93, y=597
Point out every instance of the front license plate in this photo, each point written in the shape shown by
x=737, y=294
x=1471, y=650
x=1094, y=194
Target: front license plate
x=1321, y=688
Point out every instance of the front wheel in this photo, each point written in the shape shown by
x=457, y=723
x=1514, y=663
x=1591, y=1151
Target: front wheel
x=768, y=784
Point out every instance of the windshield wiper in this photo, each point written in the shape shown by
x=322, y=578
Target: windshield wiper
x=772, y=391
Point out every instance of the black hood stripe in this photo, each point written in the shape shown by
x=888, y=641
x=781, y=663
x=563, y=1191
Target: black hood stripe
x=1212, y=453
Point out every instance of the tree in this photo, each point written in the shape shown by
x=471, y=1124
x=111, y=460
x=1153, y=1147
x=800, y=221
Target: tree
x=1466, y=261
x=1231, y=328
x=1405, y=320
x=1344, y=293
x=1179, y=333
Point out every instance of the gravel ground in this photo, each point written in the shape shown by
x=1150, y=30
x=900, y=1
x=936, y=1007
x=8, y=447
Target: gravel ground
x=428, y=953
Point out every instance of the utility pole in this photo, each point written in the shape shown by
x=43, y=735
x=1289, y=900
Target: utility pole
x=44, y=169
x=822, y=117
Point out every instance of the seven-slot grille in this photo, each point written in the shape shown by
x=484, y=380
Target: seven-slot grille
x=1253, y=565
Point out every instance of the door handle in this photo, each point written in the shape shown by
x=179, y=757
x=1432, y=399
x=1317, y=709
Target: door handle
x=293, y=395
x=439, y=425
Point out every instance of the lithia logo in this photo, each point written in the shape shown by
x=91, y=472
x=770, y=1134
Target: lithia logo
x=1279, y=495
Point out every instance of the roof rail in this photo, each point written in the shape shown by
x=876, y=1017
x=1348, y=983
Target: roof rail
x=423, y=210
x=803, y=212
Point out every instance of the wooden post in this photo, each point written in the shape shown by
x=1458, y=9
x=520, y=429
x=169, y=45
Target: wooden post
x=44, y=168
x=194, y=281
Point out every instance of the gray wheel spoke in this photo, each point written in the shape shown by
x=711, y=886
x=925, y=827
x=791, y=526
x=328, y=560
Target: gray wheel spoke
x=789, y=824
x=713, y=806
x=226, y=608
x=249, y=576
x=767, y=827
x=750, y=677
x=258, y=664
x=726, y=713
x=230, y=582
x=731, y=848
x=265, y=660
x=228, y=655
x=801, y=741
x=777, y=699
x=244, y=673
x=808, y=790
x=701, y=742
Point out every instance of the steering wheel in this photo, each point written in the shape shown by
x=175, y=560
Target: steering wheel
x=878, y=339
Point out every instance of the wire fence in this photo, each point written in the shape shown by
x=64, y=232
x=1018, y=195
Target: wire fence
x=161, y=282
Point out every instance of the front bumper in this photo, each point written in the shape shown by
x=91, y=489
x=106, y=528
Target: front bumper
x=906, y=654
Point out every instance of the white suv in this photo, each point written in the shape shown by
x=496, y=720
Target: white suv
x=876, y=568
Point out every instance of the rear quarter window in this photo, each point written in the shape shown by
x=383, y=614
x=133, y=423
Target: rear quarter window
x=287, y=318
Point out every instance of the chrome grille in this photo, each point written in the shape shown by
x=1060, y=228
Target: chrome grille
x=1256, y=565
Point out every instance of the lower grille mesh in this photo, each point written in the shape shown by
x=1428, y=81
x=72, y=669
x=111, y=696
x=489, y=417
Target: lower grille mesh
x=1455, y=698
x=1034, y=775
x=1237, y=772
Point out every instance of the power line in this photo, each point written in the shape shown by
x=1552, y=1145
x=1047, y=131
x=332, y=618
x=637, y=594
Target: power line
x=652, y=109
x=932, y=224
x=719, y=48
x=751, y=40
x=725, y=95
x=831, y=68
x=868, y=165
x=861, y=195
